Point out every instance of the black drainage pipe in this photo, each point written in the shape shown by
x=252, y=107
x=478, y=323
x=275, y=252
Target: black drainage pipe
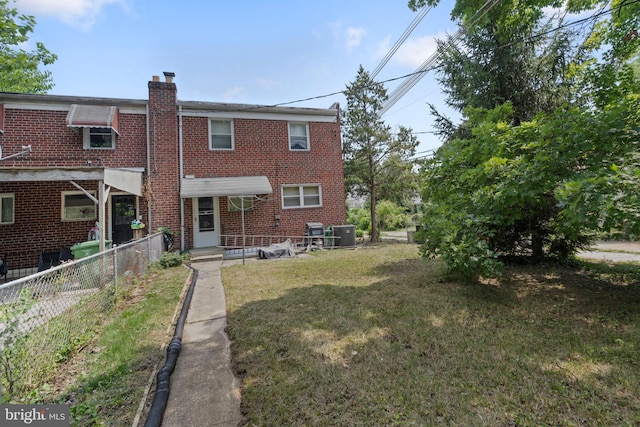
x=156, y=412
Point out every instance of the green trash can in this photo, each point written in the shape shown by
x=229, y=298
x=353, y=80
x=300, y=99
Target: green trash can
x=328, y=237
x=90, y=247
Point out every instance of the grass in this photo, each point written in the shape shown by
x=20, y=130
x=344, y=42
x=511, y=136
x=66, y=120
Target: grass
x=377, y=337
x=105, y=380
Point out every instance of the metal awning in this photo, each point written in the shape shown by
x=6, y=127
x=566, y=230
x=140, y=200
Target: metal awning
x=129, y=180
x=231, y=186
x=94, y=116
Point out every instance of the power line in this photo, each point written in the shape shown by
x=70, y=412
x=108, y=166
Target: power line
x=430, y=63
x=401, y=40
x=421, y=71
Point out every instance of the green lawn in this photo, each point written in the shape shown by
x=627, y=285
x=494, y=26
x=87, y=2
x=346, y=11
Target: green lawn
x=376, y=336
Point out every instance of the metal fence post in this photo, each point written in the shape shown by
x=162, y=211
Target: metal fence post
x=115, y=272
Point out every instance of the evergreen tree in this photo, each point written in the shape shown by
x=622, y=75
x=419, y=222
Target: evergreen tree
x=370, y=150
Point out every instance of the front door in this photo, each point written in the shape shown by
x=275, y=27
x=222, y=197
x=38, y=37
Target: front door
x=123, y=211
x=206, y=223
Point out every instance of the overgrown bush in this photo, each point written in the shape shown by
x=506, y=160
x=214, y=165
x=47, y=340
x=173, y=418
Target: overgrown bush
x=461, y=241
x=13, y=352
x=391, y=216
x=360, y=218
x=170, y=259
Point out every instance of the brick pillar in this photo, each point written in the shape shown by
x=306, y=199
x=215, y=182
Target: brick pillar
x=164, y=171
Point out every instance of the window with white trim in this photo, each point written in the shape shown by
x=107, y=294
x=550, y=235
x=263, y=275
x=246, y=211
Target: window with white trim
x=220, y=135
x=7, y=208
x=301, y=196
x=299, y=136
x=99, y=138
x=76, y=206
x=236, y=203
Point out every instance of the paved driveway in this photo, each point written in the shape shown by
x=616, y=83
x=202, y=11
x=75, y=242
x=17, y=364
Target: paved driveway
x=614, y=251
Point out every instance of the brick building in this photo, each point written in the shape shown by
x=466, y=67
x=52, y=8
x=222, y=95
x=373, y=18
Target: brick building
x=69, y=162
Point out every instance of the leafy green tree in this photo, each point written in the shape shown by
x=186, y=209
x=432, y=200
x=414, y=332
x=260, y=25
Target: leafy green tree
x=391, y=216
x=19, y=68
x=543, y=160
x=399, y=177
x=370, y=150
x=360, y=217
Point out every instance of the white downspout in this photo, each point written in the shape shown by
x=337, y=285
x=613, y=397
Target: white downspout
x=181, y=168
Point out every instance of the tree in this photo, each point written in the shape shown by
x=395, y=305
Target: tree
x=370, y=151
x=542, y=160
x=19, y=69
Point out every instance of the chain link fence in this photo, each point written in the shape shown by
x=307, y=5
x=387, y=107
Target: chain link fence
x=45, y=316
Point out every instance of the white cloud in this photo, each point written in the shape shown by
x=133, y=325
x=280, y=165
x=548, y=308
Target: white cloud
x=233, y=94
x=353, y=37
x=267, y=83
x=349, y=37
x=77, y=13
x=414, y=52
x=383, y=47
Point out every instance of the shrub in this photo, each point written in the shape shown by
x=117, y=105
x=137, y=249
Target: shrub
x=391, y=216
x=360, y=218
x=170, y=259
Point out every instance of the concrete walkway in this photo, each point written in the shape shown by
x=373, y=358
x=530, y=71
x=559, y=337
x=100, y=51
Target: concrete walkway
x=204, y=390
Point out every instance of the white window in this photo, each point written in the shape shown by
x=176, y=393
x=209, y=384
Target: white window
x=298, y=136
x=76, y=206
x=236, y=203
x=221, y=135
x=7, y=208
x=301, y=196
x=99, y=138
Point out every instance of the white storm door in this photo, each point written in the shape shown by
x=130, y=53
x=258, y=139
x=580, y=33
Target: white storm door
x=206, y=222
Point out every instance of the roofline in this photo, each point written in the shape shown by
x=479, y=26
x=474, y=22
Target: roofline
x=256, y=108
x=68, y=99
x=189, y=105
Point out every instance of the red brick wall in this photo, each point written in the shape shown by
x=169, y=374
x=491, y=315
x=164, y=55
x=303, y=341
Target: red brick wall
x=164, y=173
x=38, y=220
x=261, y=147
x=38, y=225
x=54, y=144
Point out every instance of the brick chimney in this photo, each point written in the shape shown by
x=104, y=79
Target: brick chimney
x=164, y=171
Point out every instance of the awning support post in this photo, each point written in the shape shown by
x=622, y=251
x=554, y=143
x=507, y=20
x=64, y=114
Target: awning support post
x=101, y=214
x=243, y=235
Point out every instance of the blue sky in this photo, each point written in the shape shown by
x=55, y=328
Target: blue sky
x=254, y=52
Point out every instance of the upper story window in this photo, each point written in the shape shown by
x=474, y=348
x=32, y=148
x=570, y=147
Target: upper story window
x=221, y=135
x=7, y=208
x=76, y=206
x=301, y=196
x=298, y=136
x=98, y=123
x=99, y=138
